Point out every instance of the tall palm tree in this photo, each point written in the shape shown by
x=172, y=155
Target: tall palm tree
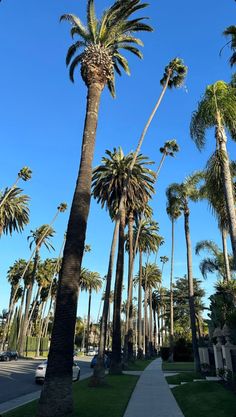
x=215, y=263
x=217, y=109
x=231, y=31
x=182, y=194
x=148, y=242
x=173, y=213
x=151, y=277
x=169, y=148
x=108, y=182
x=14, y=211
x=100, y=43
x=92, y=282
x=213, y=190
x=40, y=236
x=25, y=174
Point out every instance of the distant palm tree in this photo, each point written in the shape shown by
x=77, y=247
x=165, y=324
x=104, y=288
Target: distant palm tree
x=25, y=174
x=90, y=282
x=169, y=148
x=231, y=31
x=217, y=110
x=173, y=212
x=100, y=43
x=148, y=242
x=40, y=236
x=108, y=183
x=181, y=194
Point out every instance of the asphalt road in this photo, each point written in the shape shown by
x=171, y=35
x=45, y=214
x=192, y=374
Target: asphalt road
x=17, y=377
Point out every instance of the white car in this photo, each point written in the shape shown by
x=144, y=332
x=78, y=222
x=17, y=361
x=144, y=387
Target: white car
x=91, y=351
x=41, y=372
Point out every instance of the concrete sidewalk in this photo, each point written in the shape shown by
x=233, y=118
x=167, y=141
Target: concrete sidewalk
x=152, y=396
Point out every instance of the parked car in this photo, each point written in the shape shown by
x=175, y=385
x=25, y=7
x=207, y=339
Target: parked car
x=91, y=351
x=107, y=361
x=41, y=372
x=9, y=355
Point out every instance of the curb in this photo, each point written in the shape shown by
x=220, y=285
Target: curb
x=25, y=399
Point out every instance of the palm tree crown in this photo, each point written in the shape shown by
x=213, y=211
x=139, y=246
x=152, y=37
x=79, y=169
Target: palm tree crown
x=101, y=40
x=218, y=106
x=14, y=212
x=231, y=31
x=110, y=177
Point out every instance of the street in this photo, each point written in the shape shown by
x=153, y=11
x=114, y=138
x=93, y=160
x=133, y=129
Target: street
x=17, y=377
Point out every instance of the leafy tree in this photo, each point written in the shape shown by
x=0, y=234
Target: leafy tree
x=100, y=42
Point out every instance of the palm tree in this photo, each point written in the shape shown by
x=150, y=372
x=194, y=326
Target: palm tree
x=108, y=182
x=100, y=43
x=25, y=174
x=40, y=236
x=173, y=212
x=231, y=31
x=217, y=109
x=14, y=211
x=151, y=277
x=181, y=194
x=148, y=242
x=169, y=148
x=215, y=263
x=91, y=282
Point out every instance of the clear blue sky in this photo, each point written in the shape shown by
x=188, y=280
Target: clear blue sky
x=42, y=115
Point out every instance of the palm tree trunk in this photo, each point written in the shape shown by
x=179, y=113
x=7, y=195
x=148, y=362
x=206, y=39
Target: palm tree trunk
x=159, y=328
x=58, y=381
x=191, y=292
x=160, y=164
x=225, y=253
x=128, y=345
x=99, y=369
x=150, y=324
x=154, y=331
x=35, y=301
x=228, y=186
x=25, y=320
x=116, y=365
x=140, y=349
x=88, y=320
x=171, y=290
x=146, y=347
x=45, y=330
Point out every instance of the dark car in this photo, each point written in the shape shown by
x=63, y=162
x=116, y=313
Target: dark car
x=107, y=361
x=9, y=355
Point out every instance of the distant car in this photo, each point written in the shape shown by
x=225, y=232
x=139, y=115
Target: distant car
x=41, y=372
x=9, y=355
x=91, y=351
x=107, y=361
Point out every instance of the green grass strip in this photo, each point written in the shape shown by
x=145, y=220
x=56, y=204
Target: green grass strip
x=178, y=366
x=205, y=399
x=108, y=401
x=139, y=365
x=183, y=377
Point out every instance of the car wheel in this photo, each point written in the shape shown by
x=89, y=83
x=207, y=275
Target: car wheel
x=16, y=358
x=39, y=381
x=7, y=358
